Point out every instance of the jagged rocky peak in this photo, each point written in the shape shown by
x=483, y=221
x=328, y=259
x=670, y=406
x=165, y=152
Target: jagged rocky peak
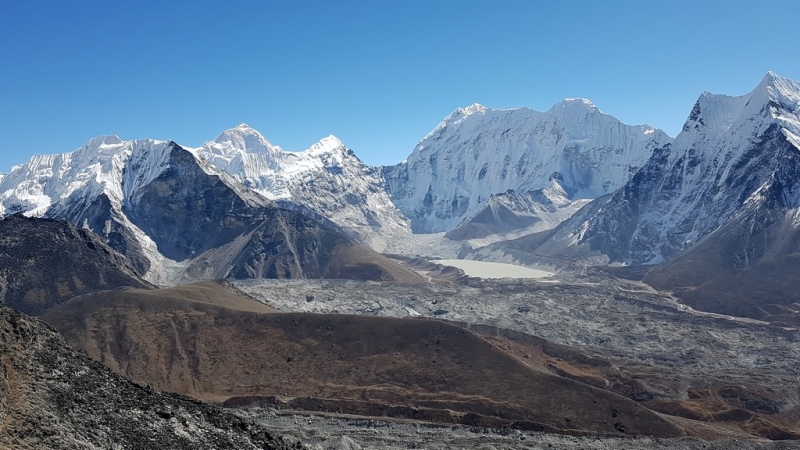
x=775, y=97
x=780, y=93
x=733, y=155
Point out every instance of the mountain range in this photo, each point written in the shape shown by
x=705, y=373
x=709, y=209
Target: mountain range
x=177, y=217
x=567, y=186
x=711, y=217
x=476, y=158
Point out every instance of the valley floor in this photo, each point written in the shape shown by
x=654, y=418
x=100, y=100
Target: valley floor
x=354, y=433
x=636, y=342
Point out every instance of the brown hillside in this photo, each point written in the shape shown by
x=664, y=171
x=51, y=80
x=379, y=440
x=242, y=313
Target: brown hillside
x=359, y=262
x=52, y=397
x=413, y=368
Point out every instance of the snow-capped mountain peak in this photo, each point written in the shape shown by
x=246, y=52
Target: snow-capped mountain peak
x=455, y=118
x=732, y=152
x=241, y=139
x=327, y=144
x=326, y=178
x=780, y=88
x=471, y=109
x=774, y=100
x=469, y=157
x=575, y=105
x=779, y=98
x=103, y=140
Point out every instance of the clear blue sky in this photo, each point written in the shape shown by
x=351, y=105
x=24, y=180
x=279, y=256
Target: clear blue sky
x=379, y=74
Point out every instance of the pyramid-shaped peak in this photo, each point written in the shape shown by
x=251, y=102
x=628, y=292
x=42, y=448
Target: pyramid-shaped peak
x=777, y=88
x=326, y=145
x=246, y=139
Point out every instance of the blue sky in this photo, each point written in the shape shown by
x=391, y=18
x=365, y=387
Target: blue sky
x=378, y=74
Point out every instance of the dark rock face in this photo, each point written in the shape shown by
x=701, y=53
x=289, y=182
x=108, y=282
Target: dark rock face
x=100, y=216
x=186, y=211
x=53, y=397
x=45, y=262
x=225, y=230
x=195, y=214
x=732, y=153
x=681, y=196
x=286, y=245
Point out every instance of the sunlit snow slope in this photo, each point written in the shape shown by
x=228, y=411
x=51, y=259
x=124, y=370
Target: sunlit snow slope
x=477, y=152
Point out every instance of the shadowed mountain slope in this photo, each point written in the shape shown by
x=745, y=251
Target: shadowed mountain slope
x=177, y=217
x=45, y=262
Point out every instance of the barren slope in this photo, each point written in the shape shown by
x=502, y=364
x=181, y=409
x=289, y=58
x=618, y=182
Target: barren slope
x=415, y=368
x=52, y=397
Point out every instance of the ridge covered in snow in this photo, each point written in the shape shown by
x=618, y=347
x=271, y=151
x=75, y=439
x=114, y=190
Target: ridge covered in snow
x=730, y=152
x=327, y=179
x=95, y=168
x=483, y=174
x=477, y=152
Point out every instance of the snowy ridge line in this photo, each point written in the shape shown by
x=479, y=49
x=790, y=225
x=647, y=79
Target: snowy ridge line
x=732, y=154
x=538, y=168
x=477, y=152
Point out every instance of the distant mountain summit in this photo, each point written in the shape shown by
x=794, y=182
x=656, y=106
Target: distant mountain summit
x=177, y=217
x=326, y=180
x=570, y=184
x=477, y=152
x=731, y=152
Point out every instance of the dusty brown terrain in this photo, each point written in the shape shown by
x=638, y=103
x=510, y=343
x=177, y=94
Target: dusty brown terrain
x=768, y=291
x=747, y=268
x=358, y=262
x=618, y=335
x=414, y=368
x=52, y=397
x=730, y=408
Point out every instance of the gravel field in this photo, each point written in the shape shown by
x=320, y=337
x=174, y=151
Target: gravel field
x=671, y=347
x=332, y=433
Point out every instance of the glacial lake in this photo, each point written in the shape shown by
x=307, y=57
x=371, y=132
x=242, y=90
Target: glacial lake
x=484, y=269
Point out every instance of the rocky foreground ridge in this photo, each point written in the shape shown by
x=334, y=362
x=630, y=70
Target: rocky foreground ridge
x=53, y=397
